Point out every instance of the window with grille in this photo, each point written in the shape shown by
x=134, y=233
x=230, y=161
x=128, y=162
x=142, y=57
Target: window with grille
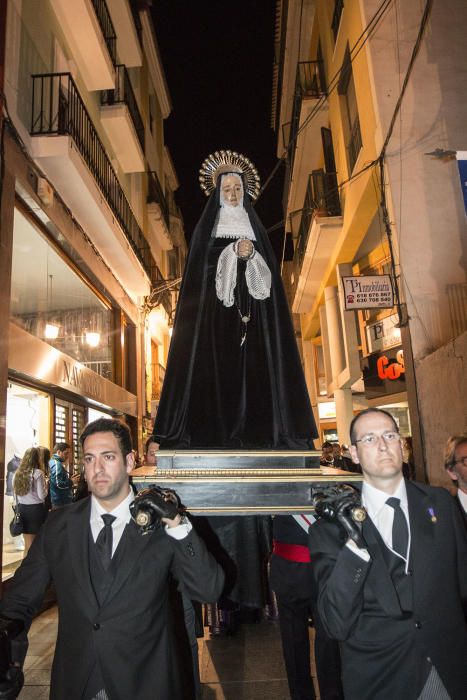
x=349, y=110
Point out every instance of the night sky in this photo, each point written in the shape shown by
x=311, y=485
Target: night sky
x=218, y=59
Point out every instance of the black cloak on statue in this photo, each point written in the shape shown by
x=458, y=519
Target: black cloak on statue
x=217, y=393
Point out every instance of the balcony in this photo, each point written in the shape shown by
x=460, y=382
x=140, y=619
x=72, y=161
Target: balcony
x=310, y=87
x=121, y=120
x=158, y=212
x=67, y=147
x=127, y=23
x=89, y=31
x=320, y=225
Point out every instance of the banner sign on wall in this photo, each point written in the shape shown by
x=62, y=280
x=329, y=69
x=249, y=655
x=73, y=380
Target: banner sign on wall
x=383, y=334
x=462, y=165
x=368, y=292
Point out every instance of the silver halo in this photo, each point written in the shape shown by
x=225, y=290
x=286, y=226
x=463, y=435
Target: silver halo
x=228, y=161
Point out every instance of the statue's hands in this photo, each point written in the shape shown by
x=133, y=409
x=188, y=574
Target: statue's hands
x=244, y=248
x=154, y=505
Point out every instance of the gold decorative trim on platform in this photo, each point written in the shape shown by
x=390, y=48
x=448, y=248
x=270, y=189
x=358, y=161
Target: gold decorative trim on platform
x=237, y=475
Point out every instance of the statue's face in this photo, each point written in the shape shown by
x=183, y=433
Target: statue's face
x=232, y=190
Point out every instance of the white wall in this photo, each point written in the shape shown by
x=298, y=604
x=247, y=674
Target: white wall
x=427, y=206
x=442, y=388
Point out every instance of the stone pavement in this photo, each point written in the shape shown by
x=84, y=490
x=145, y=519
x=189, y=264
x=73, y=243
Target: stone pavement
x=247, y=666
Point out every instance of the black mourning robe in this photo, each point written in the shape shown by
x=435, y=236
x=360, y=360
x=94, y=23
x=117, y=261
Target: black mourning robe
x=218, y=394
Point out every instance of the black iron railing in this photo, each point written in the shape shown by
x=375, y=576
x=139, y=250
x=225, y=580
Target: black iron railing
x=123, y=94
x=309, y=83
x=336, y=17
x=321, y=198
x=156, y=195
x=107, y=27
x=355, y=143
x=57, y=109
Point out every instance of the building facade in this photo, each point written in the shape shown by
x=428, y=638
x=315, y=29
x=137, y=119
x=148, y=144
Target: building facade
x=366, y=96
x=92, y=241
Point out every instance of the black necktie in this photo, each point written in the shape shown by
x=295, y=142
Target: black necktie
x=104, y=541
x=400, y=531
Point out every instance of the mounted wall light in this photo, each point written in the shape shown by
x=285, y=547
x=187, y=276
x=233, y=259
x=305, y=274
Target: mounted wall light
x=51, y=331
x=92, y=339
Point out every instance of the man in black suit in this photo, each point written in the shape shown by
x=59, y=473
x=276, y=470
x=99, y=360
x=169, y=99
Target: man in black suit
x=291, y=579
x=391, y=591
x=455, y=461
x=115, y=639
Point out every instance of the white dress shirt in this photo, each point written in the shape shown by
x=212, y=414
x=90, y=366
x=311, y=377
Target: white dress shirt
x=463, y=499
x=382, y=516
x=122, y=518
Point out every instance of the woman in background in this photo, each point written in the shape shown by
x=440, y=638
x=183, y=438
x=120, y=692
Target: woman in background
x=31, y=490
x=44, y=458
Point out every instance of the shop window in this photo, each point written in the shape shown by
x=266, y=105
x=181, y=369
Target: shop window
x=69, y=422
x=27, y=425
x=52, y=302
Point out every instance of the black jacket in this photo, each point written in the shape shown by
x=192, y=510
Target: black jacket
x=385, y=651
x=131, y=633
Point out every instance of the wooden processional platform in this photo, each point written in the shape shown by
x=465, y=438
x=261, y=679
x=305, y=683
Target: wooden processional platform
x=221, y=482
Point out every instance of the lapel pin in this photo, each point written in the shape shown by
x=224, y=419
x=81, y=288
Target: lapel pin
x=433, y=517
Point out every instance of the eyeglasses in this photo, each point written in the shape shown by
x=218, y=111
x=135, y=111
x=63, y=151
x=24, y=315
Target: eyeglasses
x=462, y=460
x=388, y=437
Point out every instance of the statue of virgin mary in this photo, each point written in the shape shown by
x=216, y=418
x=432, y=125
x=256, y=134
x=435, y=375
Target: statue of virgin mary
x=234, y=379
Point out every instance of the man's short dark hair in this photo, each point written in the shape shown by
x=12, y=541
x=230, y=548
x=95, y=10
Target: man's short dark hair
x=110, y=425
x=356, y=418
x=326, y=443
x=148, y=442
x=61, y=447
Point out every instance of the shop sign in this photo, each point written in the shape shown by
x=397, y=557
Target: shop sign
x=383, y=334
x=384, y=373
x=368, y=292
x=79, y=377
x=33, y=358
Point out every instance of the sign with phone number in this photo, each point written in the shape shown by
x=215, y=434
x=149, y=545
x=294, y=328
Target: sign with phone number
x=368, y=292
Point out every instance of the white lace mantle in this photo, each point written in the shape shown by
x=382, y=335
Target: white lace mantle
x=257, y=276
